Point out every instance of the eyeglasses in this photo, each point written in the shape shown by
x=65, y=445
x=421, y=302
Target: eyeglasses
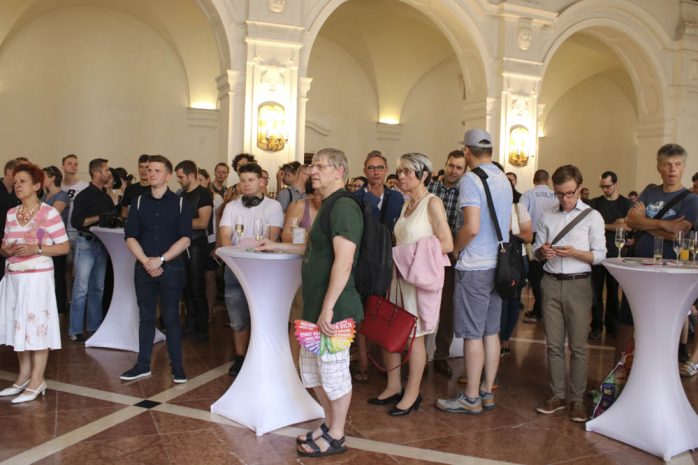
x=567, y=195
x=404, y=171
x=319, y=166
x=375, y=167
x=607, y=186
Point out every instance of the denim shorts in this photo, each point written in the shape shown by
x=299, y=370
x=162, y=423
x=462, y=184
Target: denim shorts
x=236, y=302
x=477, y=306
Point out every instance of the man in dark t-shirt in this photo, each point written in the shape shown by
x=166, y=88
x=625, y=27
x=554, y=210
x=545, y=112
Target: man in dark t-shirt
x=201, y=201
x=135, y=190
x=682, y=216
x=613, y=208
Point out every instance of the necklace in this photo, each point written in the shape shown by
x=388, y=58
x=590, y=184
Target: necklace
x=413, y=205
x=24, y=216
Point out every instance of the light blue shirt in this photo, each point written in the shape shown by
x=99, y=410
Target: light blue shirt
x=481, y=253
x=537, y=200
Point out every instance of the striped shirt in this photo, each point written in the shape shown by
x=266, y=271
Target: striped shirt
x=46, y=224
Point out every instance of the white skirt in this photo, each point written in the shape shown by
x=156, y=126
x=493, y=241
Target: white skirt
x=28, y=311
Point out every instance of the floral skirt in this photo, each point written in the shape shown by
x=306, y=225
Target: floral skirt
x=28, y=311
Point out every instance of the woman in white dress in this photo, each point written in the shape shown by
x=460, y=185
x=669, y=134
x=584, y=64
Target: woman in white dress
x=34, y=232
x=422, y=215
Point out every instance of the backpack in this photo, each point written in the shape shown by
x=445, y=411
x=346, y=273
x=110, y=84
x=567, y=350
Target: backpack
x=374, y=268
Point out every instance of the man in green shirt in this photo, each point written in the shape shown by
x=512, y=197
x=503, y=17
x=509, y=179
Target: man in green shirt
x=329, y=296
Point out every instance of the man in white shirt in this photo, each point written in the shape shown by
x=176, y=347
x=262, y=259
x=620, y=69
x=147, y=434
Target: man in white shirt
x=566, y=287
x=72, y=185
x=250, y=206
x=537, y=200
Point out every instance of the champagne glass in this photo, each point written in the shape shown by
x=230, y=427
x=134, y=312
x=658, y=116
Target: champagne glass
x=678, y=239
x=620, y=240
x=693, y=244
x=239, y=227
x=258, y=229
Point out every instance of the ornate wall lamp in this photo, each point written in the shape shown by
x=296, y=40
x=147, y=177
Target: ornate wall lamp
x=271, y=127
x=519, y=151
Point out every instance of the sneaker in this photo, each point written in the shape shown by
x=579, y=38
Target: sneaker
x=577, y=412
x=136, y=372
x=487, y=399
x=552, y=405
x=460, y=404
x=594, y=334
x=688, y=370
x=236, y=366
x=78, y=338
x=178, y=376
x=533, y=319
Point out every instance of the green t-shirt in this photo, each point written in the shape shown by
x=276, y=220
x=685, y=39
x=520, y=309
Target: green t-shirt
x=346, y=220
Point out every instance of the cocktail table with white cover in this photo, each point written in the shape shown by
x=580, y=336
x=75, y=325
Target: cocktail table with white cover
x=119, y=330
x=653, y=413
x=267, y=394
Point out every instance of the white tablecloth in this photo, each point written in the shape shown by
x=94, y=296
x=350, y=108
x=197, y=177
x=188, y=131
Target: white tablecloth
x=653, y=413
x=119, y=330
x=267, y=394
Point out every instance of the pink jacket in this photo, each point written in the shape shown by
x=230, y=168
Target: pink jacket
x=422, y=264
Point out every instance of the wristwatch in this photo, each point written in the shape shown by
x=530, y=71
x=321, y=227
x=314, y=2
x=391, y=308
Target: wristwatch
x=162, y=259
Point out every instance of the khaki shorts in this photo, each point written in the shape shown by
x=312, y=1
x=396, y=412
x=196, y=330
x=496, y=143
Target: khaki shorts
x=331, y=371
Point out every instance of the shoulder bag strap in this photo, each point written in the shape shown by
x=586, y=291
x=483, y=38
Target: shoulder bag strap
x=638, y=234
x=483, y=177
x=571, y=225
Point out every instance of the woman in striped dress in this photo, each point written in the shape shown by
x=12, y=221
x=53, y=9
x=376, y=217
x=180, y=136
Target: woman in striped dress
x=34, y=232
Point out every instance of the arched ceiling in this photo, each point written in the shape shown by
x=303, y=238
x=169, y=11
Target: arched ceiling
x=395, y=44
x=580, y=58
x=181, y=23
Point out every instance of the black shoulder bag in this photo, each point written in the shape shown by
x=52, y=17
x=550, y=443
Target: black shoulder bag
x=509, y=272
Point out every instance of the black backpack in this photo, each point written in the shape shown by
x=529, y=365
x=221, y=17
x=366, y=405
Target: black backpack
x=374, y=269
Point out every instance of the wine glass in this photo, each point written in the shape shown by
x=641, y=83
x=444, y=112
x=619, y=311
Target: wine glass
x=620, y=240
x=693, y=244
x=239, y=227
x=678, y=239
x=258, y=229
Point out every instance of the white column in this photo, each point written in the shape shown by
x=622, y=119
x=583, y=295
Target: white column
x=304, y=87
x=230, y=100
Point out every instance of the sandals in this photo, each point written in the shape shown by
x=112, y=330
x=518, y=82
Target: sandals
x=309, y=435
x=361, y=376
x=335, y=447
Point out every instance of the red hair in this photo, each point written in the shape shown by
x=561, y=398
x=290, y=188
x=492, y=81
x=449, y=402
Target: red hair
x=34, y=172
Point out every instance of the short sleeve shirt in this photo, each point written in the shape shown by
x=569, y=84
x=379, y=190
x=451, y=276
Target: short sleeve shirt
x=73, y=190
x=46, y=226
x=611, y=210
x=654, y=199
x=132, y=192
x=61, y=196
x=346, y=220
x=269, y=210
x=481, y=252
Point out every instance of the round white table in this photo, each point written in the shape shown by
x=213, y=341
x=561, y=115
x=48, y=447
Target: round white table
x=119, y=330
x=653, y=413
x=267, y=394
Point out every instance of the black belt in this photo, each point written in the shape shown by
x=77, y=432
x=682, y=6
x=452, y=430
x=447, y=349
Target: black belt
x=88, y=237
x=569, y=277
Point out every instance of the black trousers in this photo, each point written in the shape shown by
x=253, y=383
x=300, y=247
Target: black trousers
x=195, y=290
x=59, y=274
x=599, y=276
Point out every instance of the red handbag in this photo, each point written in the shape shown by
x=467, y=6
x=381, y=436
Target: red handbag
x=389, y=326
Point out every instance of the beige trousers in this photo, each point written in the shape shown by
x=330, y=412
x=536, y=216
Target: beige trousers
x=566, y=312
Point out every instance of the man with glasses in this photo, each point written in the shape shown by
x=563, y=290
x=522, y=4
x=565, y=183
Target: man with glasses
x=613, y=208
x=448, y=191
x=386, y=204
x=566, y=287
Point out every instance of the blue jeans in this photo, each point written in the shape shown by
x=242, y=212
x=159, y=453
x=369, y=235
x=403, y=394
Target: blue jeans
x=90, y=266
x=167, y=288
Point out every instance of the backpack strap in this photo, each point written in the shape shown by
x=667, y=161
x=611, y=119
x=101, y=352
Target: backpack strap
x=138, y=203
x=327, y=209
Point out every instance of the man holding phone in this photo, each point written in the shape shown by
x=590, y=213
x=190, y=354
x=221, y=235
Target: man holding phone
x=570, y=238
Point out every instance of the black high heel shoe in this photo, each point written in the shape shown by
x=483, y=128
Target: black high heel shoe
x=388, y=400
x=396, y=411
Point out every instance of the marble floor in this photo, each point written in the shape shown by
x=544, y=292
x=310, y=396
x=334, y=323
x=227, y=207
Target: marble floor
x=89, y=416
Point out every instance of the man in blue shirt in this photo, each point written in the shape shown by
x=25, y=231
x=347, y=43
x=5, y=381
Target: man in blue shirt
x=477, y=305
x=158, y=230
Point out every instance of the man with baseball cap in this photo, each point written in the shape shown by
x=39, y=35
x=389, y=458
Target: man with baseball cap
x=477, y=305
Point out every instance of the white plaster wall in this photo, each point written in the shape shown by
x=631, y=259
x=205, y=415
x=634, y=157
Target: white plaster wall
x=342, y=101
x=96, y=82
x=593, y=127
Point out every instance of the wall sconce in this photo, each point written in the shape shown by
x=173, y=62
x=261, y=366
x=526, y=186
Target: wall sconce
x=271, y=125
x=518, y=146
